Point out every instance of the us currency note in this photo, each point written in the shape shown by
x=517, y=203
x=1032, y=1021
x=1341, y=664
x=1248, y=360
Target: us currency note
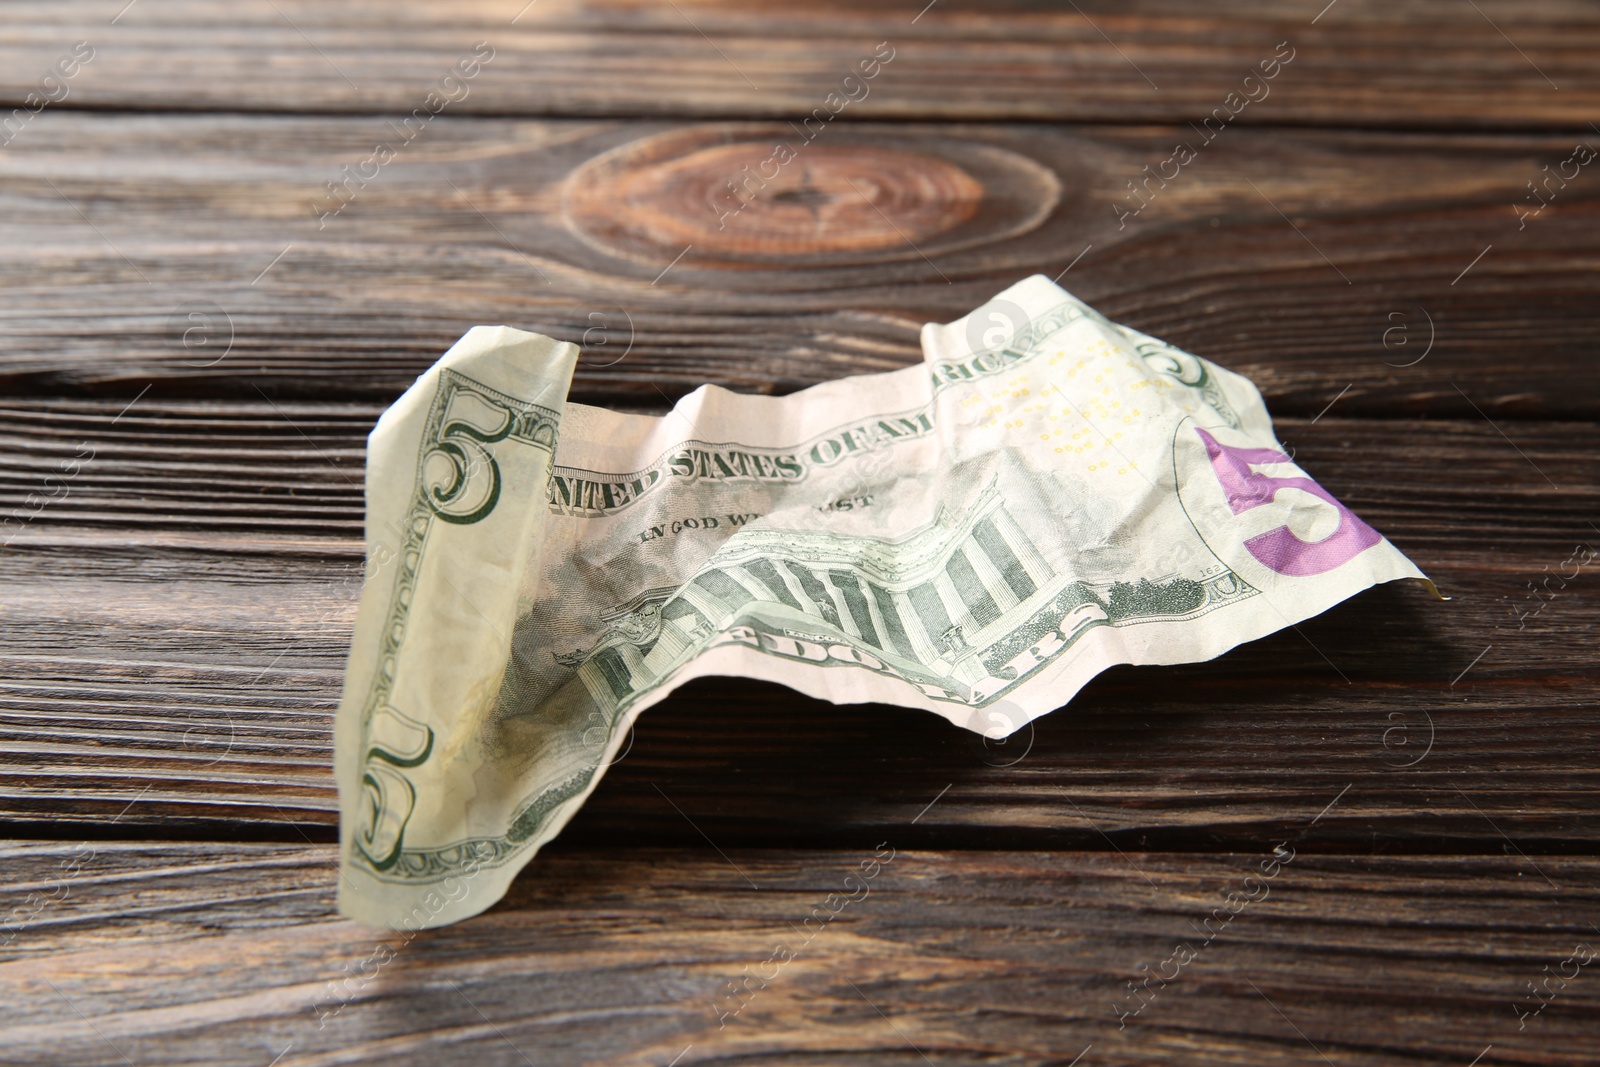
x=1048, y=494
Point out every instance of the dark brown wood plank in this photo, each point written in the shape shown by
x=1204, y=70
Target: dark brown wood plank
x=230, y=954
x=216, y=728
x=176, y=621
x=186, y=465
x=184, y=251
x=1358, y=62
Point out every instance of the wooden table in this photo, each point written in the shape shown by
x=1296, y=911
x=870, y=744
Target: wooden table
x=197, y=332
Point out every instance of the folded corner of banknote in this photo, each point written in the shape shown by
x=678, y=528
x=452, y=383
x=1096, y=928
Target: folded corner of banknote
x=1046, y=495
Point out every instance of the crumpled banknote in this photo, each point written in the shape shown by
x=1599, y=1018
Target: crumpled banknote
x=1048, y=494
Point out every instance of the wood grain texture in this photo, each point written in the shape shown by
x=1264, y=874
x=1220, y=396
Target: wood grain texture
x=198, y=330
x=185, y=251
x=233, y=956
x=137, y=724
x=1401, y=63
x=178, y=614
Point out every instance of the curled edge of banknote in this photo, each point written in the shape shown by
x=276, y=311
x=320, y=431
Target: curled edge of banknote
x=463, y=492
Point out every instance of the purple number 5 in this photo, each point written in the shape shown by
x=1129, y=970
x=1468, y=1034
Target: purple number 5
x=1280, y=549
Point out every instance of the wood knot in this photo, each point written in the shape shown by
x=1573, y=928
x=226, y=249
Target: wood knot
x=754, y=196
